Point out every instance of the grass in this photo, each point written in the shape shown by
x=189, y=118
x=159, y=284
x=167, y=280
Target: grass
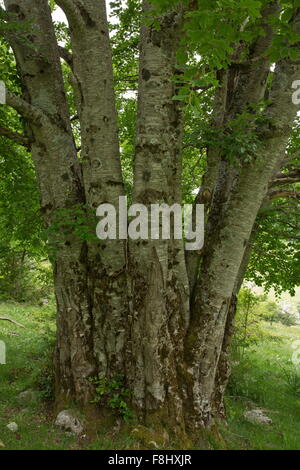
x=25, y=356
x=262, y=377
x=27, y=367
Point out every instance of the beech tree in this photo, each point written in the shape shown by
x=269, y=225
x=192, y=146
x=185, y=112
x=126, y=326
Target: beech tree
x=145, y=309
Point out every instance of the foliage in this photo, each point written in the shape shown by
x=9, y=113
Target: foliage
x=114, y=394
x=265, y=376
x=286, y=318
x=77, y=221
x=272, y=312
x=21, y=243
x=26, y=351
x=275, y=261
x=246, y=331
x=24, y=279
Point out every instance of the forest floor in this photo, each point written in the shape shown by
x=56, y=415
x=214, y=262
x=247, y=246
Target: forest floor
x=263, y=377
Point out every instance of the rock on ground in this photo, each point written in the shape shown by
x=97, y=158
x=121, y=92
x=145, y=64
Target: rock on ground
x=67, y=421
x=257, y=416
x=13, y=427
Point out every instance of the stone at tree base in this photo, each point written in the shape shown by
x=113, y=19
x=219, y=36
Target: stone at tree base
x=257, y=416
x=13, y=427
x=67, y=421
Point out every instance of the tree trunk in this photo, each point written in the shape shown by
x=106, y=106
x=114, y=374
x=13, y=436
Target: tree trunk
x=61, y=189
x=159, y=287
x=103, y=182
x=226, y=246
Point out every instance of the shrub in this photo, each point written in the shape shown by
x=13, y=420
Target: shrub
x=24, y=279
x=246, y=331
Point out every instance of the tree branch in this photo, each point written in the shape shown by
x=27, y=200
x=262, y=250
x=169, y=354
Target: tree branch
x=71, y=11
x=15, y=136
x=29, y=112
x=288, y=194
x=66, y=55
x=284, y=235
x=287, y=178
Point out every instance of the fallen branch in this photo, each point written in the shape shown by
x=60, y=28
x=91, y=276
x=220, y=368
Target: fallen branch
x=12, y=321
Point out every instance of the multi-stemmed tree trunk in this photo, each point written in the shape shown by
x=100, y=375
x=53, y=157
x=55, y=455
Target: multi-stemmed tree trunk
x=145, y=309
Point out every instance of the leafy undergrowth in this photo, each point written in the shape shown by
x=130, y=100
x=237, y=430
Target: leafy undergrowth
x=263, y=378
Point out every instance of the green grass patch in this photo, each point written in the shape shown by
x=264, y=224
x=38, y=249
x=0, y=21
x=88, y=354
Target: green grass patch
x=260, y=380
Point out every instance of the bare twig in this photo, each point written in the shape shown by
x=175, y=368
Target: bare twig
x=288, y=194
x=12, y=321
